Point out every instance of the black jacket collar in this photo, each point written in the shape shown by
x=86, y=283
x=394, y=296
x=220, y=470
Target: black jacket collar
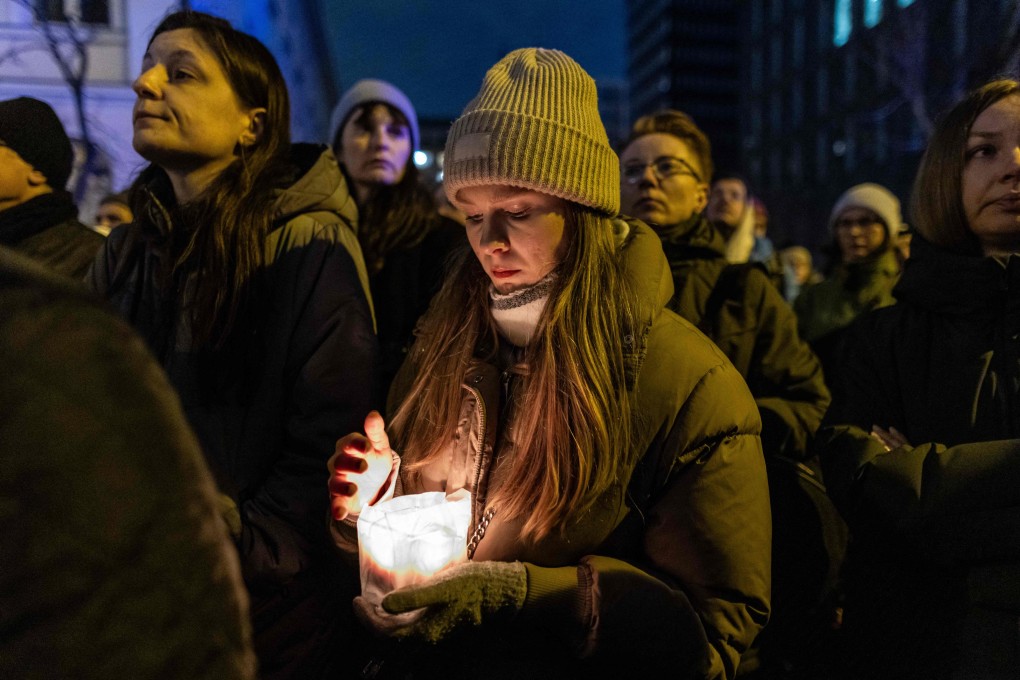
x=35, y=216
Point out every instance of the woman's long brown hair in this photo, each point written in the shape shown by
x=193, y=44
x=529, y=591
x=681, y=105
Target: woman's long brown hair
x=396, y=217
x=220, y=235
x=571, y=416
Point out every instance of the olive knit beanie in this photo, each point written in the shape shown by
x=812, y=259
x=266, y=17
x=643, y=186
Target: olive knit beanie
x=31, y=128
x=535, y=124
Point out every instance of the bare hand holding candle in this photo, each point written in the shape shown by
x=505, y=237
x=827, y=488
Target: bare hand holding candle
x=360, y=468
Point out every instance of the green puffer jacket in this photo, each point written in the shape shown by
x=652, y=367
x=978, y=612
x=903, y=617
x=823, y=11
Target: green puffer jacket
x=933, y=574
x=852, y=290
x=668, y=575
x=744, y=314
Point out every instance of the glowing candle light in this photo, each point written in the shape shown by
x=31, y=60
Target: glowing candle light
x=406, y=540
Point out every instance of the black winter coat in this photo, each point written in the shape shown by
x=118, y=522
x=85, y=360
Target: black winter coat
x=744, y=314
x=402, y=290
x=934, y=571
x=268, y=408
x=116, y=562
x=47, y=230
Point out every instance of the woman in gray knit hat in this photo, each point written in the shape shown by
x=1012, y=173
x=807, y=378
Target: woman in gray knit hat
x=620, y=518
x=405, y=241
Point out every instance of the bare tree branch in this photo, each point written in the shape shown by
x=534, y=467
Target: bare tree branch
x=14, y=53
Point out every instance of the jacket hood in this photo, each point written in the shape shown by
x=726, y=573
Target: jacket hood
x=694, y=239
x=648, y=273
x=320, y=186
x=646, y=268
x=947, y=282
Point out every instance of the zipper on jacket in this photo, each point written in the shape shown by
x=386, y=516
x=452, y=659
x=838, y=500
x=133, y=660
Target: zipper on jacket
x=504, y=379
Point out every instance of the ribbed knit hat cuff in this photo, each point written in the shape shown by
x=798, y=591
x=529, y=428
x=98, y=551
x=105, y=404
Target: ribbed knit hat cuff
x=875, y=198
x=379, y=91
x=501, y=147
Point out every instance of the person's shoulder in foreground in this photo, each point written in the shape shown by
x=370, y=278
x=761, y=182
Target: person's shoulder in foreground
x=123, y=567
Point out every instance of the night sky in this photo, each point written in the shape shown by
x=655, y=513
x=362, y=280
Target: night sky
x=438, y=51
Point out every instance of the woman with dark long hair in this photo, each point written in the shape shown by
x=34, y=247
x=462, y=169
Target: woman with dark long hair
x=403, y=237
x=620, y=517
x=921, y=446
x=243, y=273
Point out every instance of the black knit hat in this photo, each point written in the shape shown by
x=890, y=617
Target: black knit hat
x=31, y=128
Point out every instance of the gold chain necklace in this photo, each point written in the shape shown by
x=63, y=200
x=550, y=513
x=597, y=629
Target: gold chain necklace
x=479, y=533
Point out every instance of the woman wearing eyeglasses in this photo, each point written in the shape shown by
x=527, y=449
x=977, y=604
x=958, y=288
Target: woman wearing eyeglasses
x=863, y=224
x=666, y=169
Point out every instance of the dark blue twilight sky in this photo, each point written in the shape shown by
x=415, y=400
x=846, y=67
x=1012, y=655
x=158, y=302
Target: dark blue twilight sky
x=437, y=51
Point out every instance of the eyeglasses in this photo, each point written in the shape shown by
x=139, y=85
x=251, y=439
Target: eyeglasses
x=862, y=222
x=662, y=167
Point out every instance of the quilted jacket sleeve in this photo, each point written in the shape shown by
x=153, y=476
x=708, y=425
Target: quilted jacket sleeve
x=331, y=357
x=955, y=504
x=785, y=375
x=698, y=592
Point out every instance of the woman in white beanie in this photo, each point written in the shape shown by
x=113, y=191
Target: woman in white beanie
x=865, y=224
x=620, y=517
x=921, y=446
x=405, y=241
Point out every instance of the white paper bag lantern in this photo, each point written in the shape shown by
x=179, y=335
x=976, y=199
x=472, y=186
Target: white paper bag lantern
x=405, y=540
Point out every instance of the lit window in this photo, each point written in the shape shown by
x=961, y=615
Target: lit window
x=843, y=23
x=904, y=3
x=872, y=12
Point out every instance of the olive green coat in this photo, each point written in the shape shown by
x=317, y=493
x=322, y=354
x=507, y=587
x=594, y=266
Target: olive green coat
x=852, y=290
x=669, y=574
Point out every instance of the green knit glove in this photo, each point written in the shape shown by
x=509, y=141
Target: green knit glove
x=468, y=593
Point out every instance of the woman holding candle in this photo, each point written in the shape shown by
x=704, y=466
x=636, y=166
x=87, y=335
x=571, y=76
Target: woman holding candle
x=620, y=511
x=243, y=274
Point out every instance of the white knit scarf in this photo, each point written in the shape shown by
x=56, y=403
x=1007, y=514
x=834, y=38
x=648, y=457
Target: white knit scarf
x=516, y=314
